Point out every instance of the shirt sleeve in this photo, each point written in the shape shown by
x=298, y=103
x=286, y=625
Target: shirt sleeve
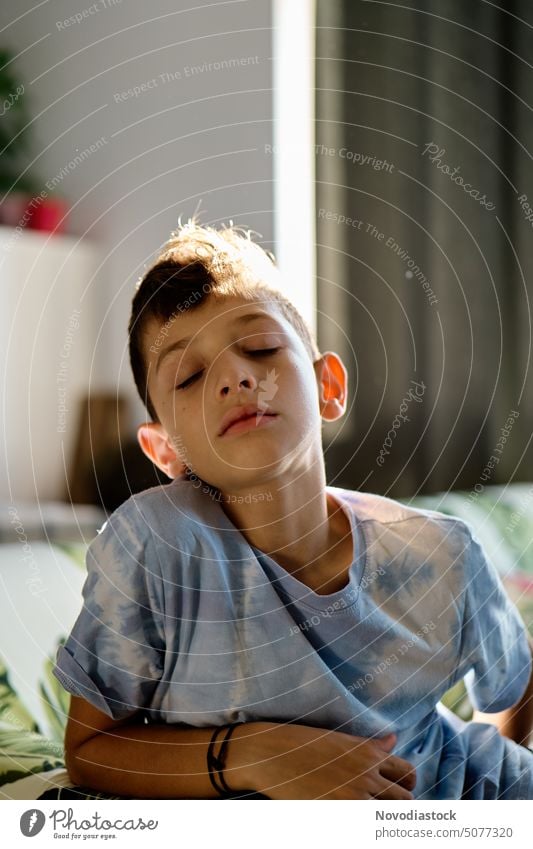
x=495, y=646
x=114, y=655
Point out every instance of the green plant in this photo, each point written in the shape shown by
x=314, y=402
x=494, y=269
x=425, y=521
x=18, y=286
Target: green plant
x=15, y=130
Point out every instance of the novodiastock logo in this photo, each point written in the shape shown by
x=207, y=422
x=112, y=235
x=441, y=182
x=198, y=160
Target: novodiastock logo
x=32, y=822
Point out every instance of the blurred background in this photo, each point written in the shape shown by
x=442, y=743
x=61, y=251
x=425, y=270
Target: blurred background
x=381, y=151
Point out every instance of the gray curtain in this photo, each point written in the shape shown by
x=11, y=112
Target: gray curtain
x=424, y=245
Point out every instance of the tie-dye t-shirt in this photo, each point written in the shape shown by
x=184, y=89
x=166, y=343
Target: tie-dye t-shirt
x=186, y=621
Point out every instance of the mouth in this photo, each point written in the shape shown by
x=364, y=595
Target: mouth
x=245, y=419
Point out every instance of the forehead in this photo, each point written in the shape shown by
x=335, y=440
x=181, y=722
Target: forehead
x=213, y=318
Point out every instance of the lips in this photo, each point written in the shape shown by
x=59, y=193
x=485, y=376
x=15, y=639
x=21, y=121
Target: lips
x=238, y=414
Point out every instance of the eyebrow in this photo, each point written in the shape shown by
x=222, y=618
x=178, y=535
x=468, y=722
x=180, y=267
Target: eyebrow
x=182, y=343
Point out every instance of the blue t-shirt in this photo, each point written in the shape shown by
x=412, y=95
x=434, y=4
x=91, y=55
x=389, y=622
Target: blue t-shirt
x=186, y=621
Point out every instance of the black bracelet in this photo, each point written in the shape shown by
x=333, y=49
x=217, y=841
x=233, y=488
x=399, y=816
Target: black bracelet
x=216, y=763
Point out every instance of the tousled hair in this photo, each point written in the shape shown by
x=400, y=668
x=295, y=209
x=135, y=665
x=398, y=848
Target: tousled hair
x=199, y=262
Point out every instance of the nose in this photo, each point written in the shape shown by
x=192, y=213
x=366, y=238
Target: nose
x=235, y=376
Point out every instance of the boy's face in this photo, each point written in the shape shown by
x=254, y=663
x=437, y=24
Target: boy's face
x=213, y=361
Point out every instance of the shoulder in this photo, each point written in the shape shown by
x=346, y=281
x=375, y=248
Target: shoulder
x=149, y=534
x=162, y=514
x=388, y=519
x=177, y=503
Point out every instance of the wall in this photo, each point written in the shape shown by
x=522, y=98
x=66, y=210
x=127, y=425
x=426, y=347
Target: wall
x=175, y=99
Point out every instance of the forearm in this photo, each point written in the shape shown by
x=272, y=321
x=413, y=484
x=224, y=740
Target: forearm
x=515, y=723
x=162, y=761
x=279, y=760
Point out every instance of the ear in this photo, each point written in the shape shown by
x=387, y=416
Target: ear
x=332, y=380
x=156, y=444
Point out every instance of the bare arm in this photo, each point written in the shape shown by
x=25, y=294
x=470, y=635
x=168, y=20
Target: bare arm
x=516, y=722
x=283, y=761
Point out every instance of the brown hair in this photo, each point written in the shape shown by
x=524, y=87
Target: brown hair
x=198, y=262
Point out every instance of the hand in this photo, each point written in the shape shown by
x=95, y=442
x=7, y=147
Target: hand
x=302, y=762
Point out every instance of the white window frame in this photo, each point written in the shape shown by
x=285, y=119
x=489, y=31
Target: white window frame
x=294, y=142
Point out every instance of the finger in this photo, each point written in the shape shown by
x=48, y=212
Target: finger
x=398, y=765
x=396, y=769
x=387, y=742
x=391, y=790
x=408, y=780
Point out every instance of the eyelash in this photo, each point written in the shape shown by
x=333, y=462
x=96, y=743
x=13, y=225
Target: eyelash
x=257, y=353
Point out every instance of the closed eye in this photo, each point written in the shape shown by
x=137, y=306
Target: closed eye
x=259, y=352
x=189, y=380
x=262, y=352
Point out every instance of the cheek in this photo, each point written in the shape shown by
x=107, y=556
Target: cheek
x=303, y=390
x=188, y=432
x=176, y=411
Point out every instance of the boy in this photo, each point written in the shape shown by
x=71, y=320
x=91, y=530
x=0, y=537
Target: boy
x=325, y=623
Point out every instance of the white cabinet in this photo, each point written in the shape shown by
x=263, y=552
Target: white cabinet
x=47, y=333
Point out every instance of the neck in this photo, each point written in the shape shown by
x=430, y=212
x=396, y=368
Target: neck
x=298, y=524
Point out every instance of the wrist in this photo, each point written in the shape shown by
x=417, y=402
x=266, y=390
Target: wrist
x=250, y=745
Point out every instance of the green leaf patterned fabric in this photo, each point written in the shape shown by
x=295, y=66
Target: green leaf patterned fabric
x=22, y=749
x=12, y=711
x=56, y=700
x=24, y=752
